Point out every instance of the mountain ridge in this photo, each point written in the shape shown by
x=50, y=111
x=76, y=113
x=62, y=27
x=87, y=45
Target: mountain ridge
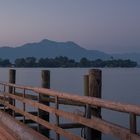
x=48, y=48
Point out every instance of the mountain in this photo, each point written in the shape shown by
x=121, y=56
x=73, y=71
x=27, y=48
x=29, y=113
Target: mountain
x=132, y=56
x=51, y=49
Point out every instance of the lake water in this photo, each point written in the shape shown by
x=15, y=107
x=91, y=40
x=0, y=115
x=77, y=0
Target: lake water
x=118, y=84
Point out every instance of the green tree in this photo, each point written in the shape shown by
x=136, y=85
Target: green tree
x=84, y=62
x=20, y=62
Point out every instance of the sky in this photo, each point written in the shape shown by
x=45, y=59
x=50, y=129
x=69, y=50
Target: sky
x=112, y=26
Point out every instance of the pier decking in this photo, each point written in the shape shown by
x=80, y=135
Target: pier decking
x=6, y=133
x=40, y=99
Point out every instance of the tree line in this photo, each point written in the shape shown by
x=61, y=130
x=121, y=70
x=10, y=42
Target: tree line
x=63, y=61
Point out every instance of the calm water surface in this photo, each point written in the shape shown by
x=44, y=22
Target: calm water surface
x=118, y=84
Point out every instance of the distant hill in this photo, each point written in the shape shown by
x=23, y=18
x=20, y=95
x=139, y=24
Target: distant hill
x=132, y=56
x=51, y=49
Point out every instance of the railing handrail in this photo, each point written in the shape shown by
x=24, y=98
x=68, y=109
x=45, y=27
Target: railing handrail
x=117, y=106
x=103, y=126
x=94, y=123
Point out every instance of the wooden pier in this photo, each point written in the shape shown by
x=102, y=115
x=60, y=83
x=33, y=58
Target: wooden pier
x=18, y=121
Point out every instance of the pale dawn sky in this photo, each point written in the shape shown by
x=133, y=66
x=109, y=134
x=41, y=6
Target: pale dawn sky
x=105, y=25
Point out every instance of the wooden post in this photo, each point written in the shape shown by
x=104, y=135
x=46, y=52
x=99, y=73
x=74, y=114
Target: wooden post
x=24, y=105
x=12, y=79
x=86, y=85
x=57, y=117
x=43, y=114
x=95, y=84
x=133, y=122
x=87, y=133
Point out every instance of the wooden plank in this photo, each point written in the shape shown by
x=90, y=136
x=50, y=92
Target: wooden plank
x=44, y=123
x=20, y=130
x=17, y=86
x=52, y=100
x=98, y=124
x=6, y=133
x=82, y=99
x=64, y=102
x=92, y=101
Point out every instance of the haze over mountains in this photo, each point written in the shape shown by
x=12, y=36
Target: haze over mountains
x=51, y=49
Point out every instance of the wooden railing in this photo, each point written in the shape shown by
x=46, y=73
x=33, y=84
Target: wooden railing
x=99, y=124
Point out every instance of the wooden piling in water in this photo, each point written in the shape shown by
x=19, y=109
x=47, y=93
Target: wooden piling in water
x=87, y=133
x=95, y=84
x=133, y=123
x=44, y=115
x=86, y=85
x=12, y=80
x=93, y=110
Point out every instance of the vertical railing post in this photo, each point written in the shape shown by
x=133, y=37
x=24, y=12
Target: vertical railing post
x=12, y=80
x=95, y=84
x=14, y=102
x=88, y=130
x=57, y=117
x=24, y=106
x=43, y=114
x=4, y=97
x=87, y=133
x=133, y=123
x=86, y=85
